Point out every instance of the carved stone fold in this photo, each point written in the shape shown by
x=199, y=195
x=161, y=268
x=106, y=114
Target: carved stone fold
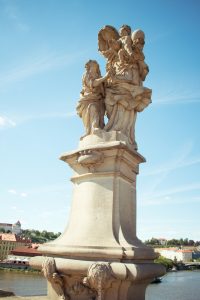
x=54, y=278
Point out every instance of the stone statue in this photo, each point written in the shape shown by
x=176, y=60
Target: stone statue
x=125, y=94
x=120, y=93
x=99, y=256
x=91, y=107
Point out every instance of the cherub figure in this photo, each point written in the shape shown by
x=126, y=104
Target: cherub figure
x=126, y=50
x=91, y=107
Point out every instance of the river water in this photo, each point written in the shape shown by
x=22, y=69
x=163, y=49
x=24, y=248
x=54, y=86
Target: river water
x=181, y=285
x=23, y=284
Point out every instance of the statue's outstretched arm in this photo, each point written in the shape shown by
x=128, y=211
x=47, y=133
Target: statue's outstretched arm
x=98, y=81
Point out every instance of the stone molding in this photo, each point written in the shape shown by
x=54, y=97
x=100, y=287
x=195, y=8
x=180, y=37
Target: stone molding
x=80, y=279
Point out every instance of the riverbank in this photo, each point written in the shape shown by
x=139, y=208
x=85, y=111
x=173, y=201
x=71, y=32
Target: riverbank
x=26, y=298
x=18, y=270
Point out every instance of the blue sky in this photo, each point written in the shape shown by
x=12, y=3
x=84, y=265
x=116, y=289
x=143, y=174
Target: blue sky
x=44, y=46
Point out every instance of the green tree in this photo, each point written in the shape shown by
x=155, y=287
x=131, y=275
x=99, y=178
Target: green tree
x=39, y=236
x=152, y=242
x=191, y=243
x=173, y=242
x=167, y=263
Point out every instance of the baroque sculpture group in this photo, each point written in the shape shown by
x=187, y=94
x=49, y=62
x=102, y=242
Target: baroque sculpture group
x=120, y=93
x=98, y=256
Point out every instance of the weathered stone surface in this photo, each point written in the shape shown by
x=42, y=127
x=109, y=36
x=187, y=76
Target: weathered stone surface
x=100, y=242
x=99, y=255
x=120, y=93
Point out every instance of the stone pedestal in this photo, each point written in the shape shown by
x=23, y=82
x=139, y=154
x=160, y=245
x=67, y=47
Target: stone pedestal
x=99, y=255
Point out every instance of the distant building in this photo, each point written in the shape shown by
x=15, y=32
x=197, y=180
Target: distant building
x=196, y=253
x=183, y=255
x=162, y=241
x=11, y=228
x=20, y=256
x=9, y=241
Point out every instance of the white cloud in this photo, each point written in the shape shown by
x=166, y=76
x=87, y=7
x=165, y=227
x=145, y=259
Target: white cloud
x=178, y=189
x=23, y=194
x=180, y=160
x=178, y=100
x=14, y=192
x=35, y=65
x=13, y=207
x=8, y=123
x=179, y=96
x=172, y=166
x=170, y=197
x=5, y=122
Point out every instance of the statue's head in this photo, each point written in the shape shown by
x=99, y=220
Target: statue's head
x=93, y=67
x=138, y=38
x=125, y=30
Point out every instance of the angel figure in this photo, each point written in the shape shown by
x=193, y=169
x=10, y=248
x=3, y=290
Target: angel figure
x=91, y=107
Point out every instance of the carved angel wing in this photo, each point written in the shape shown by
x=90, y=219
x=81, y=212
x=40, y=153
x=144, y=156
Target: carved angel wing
x=105, y=34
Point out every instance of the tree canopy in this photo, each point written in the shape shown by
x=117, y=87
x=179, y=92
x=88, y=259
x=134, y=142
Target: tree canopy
x=40, y=236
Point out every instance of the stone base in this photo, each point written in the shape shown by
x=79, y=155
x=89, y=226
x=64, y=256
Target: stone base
x=101, y=137
x=105, y=280
x=99, y=255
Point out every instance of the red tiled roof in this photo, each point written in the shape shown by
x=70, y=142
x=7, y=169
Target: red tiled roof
x=173, y=249
x=184, y=251
x=13, y=238
x=8, y=237
x=25, y=251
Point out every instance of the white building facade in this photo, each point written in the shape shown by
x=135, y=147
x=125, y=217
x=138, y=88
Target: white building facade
x=175, y=254
x=12, y=228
